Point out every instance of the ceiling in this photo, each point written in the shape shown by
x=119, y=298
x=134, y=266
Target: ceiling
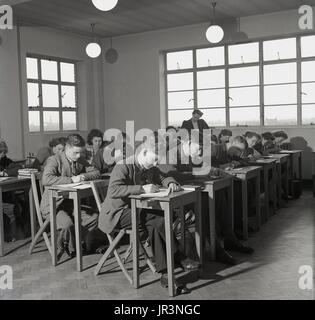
x=133, y=16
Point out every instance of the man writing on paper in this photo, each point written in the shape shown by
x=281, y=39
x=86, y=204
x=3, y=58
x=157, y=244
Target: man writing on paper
x=68, y=167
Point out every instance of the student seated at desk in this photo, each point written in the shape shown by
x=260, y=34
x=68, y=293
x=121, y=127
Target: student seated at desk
x=183, y=172
x=142, y=176
x=56, y=146
x=94, y=144
x=224, y=136
x=280, y=137
x=64, y=168
x=252, y=139
x=266, y=145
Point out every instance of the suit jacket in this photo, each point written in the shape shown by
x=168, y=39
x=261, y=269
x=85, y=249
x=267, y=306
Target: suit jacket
x=58, y=171
x=188, y=125
x=126, y=180
x=9, y=167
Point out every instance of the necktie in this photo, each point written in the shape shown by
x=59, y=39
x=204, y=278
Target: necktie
x=74, y=168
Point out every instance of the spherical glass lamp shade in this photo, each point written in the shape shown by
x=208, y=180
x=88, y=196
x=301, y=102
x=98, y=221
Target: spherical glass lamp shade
x=111, y=55
x=93, y=50
x=105, y=5
x=215, y=34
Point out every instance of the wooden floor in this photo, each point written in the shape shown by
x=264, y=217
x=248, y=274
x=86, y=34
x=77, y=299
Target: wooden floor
x=283, y=244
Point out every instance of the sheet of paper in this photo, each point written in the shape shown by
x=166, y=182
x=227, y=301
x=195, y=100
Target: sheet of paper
x=160, y=194
x=79, y=185
x=4, y=178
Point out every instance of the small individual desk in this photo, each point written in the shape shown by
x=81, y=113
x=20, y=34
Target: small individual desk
x=269, y=165
x=76, y=195
x=9, y=184
x=210, y=186
x=294, y=155
x=244, y=174
x=167, y=205
x=282, y=163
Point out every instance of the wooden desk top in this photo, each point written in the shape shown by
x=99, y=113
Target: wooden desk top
x=12, y=180
x=264, y=162
x=68, y=188
x=291, y=151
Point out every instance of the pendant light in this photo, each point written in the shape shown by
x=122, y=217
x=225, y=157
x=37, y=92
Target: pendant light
x=93, y=49
x=111, y=55
x=105, y=5
x=214, y=33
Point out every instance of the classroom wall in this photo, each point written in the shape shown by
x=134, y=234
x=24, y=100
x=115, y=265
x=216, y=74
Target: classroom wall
x=16, y=44
x=133, y=86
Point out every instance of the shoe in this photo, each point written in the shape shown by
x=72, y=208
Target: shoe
x=189, y=264
x=224, y=257
x=236, y=245
x=179, y=288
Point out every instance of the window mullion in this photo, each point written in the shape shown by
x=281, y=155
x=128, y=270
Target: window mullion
x=40, y=92
x=195, y=80
x=227, y=88
x=59, y=97
x=299, y=82
x=261, y=84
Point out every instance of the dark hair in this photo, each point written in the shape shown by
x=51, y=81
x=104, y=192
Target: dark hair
x=251, y=134
x=75, y=140
x=214, y=138
x=225, y=132
x=280, y=134
x=268, y=136
x=241, y=139
x=54, y=142
x=94, y=133
x=3, y=146
x=63, y=140
x=170, y=128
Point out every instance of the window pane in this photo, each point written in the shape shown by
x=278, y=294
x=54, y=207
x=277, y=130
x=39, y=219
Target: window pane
x=280, y=115
x=31, y=68
x=51, y=120
x=280, y=49
x=68, y=96
x=245, y=116
x=210, y=57
x=183, y=81
x=308, y=93
x=245, y=97
x=211, y=98
x=214, y=117
x=281, y=94
x=50, y=96
x=308, y=114
x=308, y=46
x=244, y=53
x=32, y=95
x=33, y=121
x=67, y=72
x=69, y=120
x=308, y=71
x=49, y=70
x=176, y=118
x=244, y=76
x=179, y=60
x=181, y=100
x=280, y=73
x=211, y=79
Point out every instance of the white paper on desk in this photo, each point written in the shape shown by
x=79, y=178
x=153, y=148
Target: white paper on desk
x=4, y=178
x=160, y=194
x=79, y=185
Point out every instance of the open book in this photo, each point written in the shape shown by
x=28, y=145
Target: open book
x=162, y=193
x=79, y=185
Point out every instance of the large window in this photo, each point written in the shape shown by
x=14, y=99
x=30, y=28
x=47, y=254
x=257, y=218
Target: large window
x=262, y=83
x=52, y=94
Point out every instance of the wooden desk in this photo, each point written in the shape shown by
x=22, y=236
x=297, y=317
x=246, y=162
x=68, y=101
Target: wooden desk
x=314, y=174
x=269, y=165
x=76, y=195
x=244, y=174
x=282, y=163
x=15, y=184
x=294, y=154
x=167, y=204
x=210, y=187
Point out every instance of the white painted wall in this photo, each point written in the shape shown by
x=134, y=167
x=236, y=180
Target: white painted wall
x=133, y=88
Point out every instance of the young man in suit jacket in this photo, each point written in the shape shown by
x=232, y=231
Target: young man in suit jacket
x=134, y=176
x=68, y=167
x=195, y=123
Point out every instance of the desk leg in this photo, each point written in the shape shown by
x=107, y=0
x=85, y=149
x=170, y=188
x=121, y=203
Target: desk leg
x=286, y=179
x=169, y=247
x=300, y=166
x=266, y=187
x=258, y=213
x=182, y=227
x=199, y=238
x=231, y=202
x=245, y=209
x=279, y=185
x=1, y=227
x=53, y=227
x=135, y=243
x=77, y=226
x=274, y=188
x=32, y=213
x=211, y=199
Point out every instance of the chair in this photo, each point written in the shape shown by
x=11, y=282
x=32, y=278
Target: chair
x=43, y=225
x=114, y=242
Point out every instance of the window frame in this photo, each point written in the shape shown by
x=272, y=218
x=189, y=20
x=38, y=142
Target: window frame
x=261, y=63
x=60, y=109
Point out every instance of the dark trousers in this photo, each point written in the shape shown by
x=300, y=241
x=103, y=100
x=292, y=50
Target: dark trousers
x=152, y=226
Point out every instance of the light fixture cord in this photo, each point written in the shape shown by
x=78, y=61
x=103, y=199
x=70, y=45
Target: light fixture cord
x=214, y=4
